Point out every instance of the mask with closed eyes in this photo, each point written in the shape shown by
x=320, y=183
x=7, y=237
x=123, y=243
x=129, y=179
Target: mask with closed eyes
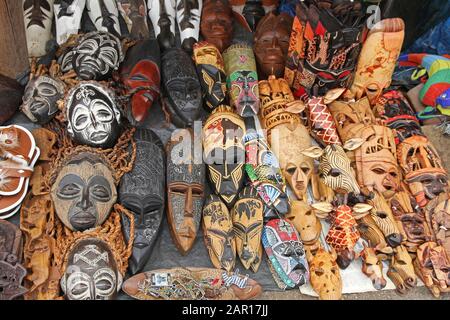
x=92, y=114
x=40, y=99
x=216, y=25
x=142, y=191
x=84, y=192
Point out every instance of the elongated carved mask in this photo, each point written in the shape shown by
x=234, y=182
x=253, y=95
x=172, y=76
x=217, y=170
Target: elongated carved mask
x=68, y=15
x=40, y=99
x=92, y=114
x=84, y=192
x=142, y=191
x=91, y=272
x=216, y=24
x=104, y=15
x=134, y=12
x=38, y=18
x=188, y=19
x=185, y=191
x=182, y=87
x=162, y=14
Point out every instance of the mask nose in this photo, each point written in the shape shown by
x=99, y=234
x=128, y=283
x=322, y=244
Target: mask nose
x=85, y=203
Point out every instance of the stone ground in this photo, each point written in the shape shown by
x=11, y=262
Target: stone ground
x=442, y=144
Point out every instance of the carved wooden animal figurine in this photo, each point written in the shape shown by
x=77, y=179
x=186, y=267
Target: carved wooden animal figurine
x=401, y=271
x=372, y=267
x=325, y=275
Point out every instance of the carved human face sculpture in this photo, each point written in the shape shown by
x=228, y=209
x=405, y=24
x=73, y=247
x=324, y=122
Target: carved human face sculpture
x=84, y=192
x=211, y=71
x=216, y=25
x=185, y=191
x=93, y=117
x=104, y=15
x=224, y=152
x=182, y=87
x=141, y=77
x=97, y=55
x=91, y=272
x=325, y=275
x=218, y=233
x=142, y=191
x=11, y=271
x=271, y=43
x=286, y=253
x=242, y=79
x=247, y=216
x=40, y=99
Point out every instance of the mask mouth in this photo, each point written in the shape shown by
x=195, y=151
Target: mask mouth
x=83, y=220
x=98, y=136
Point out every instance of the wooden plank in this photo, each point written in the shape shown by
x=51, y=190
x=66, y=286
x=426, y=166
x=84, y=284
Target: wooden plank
x=13, y=44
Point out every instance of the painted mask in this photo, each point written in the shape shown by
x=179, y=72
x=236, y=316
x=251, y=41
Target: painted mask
x=325, y=275
x=38, y=18
x=188, y=19
x=271, y=43
x=141, y=78
x=185, y=190
x=247, y=216
x=40, y=99
x=84, y=192
x=11, y=93
x=224, y=152
x=134, y=12
x=91, y=272
x=423, y=170
x=162, y=15
x=211, y=71
x=182, y=87
x=11, y=270
x=242, y=79
x=218, y=233
x=104, y=15
x=68, y=15
x=286, y=254
x=142, y=191
x=305, y=222
x=438, y=218
x=93, y=117
x=378, y=58
x=216, y=23
x=96, y=56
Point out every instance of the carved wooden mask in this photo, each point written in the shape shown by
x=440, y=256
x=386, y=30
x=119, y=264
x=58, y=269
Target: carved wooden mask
x=325, y=275
x=401, y=270
x=216, y=25
x=38, y=19
x=438, y=217
x=305, y=222
x=134, y=12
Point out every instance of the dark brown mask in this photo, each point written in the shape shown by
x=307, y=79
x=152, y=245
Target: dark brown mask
x=216, y=24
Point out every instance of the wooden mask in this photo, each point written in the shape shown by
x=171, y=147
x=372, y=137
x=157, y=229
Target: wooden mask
x=218, y=233
x=422, y=168
x=211, y=71
x=134, y=12
x=11, y=270
x=84, y=192
x=224, y=152
x=401, y=270
x=287, y=257
x=242, y=79
x=438, y=218
x=305, y=222
x=247, y=216
x=188, y=20
x=378, y=57
x=325, y=275
x=185, y=192
x=272, y=42
x=372, y=267
x=38, y=18
x=141, y=77
x=104, y=15
x=68, y=14
x=216, y=25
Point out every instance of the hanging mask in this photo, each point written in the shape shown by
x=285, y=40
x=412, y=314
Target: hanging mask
x=93, y=117
x=224, y=152
x=182, y=87
x=211, y=71
x=134, y=12
x=218, y=233
x=41, y=97
x=11, y=93
x=68, y=15
x=216, y=23
x=242, y=79
x=91, y=272
x=84, y=192
x=185, y=191
x=162, y=15
x=378, y=58
x=438, y=218
x=11, y=270
x=286, y=254
x=140, y=75
x=104, y=15
x=271, y=44
x=188, y=19
x=422, y=168
x=96, y=56
x=38, y=18
x=142, y=191
x=247, y=216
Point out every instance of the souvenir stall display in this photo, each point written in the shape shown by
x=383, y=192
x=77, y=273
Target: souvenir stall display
x=216, y=149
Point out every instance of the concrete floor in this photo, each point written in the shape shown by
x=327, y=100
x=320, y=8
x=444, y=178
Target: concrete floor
x=442, y=145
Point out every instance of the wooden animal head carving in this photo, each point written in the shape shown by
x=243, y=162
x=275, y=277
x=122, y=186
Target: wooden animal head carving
x=438, y=218
x=372, y=267
x=401, y=270
x=305, y=221
x=325, y=275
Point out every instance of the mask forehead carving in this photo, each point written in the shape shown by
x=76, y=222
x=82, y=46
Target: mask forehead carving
x=242, y=79
x=182, y=87
x=93, y=116
x=142, y=191
x=84, y=192
x=216, y=25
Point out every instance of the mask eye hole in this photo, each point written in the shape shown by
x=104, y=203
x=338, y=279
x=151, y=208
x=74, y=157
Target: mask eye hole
x=319, y=272
x=335, y=173
x=378, y=171
x=291, y=170
x=382, y=215
x=305, y=170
